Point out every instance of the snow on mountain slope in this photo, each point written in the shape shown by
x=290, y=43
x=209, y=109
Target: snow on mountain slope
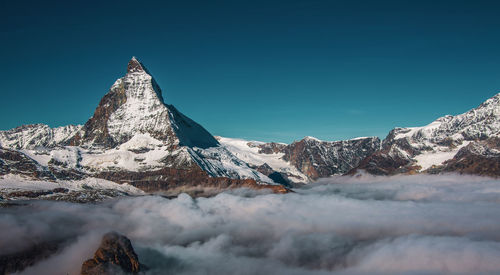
x=249, y=152
x=436, y=143
x=36, y=135
x=304, y=160
x=478, y=123
x=134, y=105
x=220, y=162
x=437, y=156
x=15, y=182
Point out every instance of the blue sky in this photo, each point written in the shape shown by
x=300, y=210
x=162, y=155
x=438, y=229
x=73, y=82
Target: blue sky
x=264, y=70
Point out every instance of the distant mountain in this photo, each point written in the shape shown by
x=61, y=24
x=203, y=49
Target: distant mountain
x=305, y=160
x=465, y=143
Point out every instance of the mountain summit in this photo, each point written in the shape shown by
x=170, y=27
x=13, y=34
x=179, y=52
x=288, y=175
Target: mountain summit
x=134, y=105
x=134, y=66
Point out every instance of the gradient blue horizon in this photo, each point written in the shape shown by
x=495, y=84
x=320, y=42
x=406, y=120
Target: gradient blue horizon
x=261, y=70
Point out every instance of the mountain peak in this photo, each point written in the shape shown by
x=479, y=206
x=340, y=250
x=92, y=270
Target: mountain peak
x=134, y=66
x=134, y=105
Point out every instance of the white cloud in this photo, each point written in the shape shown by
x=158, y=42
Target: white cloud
x=364, y=225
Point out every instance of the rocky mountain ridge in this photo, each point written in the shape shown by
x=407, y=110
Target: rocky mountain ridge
x=439, y=145
x=305, y=160
x=135, y=138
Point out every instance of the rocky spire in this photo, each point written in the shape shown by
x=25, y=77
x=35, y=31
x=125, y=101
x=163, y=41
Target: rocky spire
x=134, y=66
x=134, y=105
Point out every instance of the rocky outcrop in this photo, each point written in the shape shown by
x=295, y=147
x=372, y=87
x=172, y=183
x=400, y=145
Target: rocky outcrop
x=278, y=177
x=478, y=158
x=15, y=162
x=388, y=161
x=115, y=255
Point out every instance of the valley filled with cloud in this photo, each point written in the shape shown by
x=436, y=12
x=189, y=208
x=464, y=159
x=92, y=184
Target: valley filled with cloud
x=422, y=224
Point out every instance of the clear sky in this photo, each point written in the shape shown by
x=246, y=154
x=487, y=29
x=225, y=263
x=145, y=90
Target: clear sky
x=264, y=70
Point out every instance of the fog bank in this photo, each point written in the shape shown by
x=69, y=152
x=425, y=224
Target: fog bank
x=366, y=225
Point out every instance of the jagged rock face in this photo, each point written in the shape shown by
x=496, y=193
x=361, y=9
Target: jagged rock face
x=478, y=157
x=36, y=135
x=388, y=161
x=134, y=105
x=114, y=255
x=318, y=159
x=15, y=162
x=304, y=160
x=271, y=147
x=429, y=147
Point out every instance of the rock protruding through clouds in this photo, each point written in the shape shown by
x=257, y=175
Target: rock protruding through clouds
x=114, y=255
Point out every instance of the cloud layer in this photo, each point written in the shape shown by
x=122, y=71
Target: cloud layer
x=366, y=225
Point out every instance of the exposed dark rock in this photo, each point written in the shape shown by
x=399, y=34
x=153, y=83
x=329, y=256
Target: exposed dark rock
x=15, y=162
x=479, y=158
x=114, y=255
x=318, y=159
x=95, y=129
x=276, y=176
x=384, y=162
x=172, y=179
x=269, y=148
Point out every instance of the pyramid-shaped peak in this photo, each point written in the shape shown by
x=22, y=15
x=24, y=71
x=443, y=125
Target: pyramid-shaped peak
x=134, y=66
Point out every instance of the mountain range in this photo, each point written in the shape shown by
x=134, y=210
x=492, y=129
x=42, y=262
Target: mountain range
x=135, y=139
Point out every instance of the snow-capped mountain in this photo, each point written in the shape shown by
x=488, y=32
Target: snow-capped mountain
x=435, y=147
x=132, y=137
x=305, y=160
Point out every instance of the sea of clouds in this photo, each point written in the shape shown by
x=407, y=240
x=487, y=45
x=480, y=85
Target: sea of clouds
x=421, y=224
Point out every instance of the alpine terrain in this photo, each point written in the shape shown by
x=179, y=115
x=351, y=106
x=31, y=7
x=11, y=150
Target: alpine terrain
x=136, y=143
x=466, y=143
